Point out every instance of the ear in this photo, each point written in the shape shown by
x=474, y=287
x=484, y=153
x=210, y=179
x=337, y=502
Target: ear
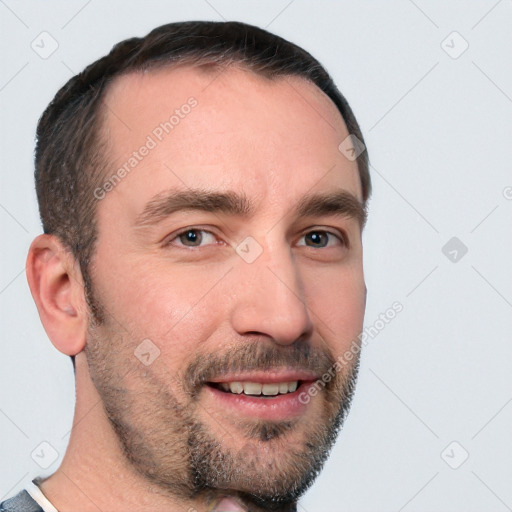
x=57, y=287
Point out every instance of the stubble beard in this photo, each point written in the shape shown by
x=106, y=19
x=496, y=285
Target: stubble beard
x=165, y=441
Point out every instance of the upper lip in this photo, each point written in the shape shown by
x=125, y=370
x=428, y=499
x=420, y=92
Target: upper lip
x=267, y=377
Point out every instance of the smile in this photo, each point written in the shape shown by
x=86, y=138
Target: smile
x=264, y=395
x=258, y=388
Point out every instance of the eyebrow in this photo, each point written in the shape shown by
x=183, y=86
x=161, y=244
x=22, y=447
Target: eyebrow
x=167, y=203
x=161, y=206
x=339, y=203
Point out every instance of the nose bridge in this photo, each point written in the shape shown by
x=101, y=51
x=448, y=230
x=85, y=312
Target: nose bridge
x=271, y=297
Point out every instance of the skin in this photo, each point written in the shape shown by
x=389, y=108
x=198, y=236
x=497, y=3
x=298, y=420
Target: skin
x=204, y=307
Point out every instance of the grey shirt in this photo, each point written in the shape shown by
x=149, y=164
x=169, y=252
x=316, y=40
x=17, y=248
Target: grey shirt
x=22, y=502
x=31, y=499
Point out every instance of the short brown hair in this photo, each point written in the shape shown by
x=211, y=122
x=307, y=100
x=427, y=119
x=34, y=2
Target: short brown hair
x=70, y=158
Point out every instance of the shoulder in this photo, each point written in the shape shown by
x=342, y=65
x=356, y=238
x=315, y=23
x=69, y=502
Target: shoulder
x=22, y=502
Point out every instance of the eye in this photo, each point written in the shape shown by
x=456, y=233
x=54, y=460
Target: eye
x=193, y=237
x=319, y=239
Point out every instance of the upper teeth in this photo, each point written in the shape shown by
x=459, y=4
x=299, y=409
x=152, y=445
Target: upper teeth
x=255, y=388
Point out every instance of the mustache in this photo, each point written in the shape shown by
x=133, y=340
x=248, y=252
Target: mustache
x=256, y=355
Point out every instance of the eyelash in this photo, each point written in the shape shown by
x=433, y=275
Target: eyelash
x=342, y=238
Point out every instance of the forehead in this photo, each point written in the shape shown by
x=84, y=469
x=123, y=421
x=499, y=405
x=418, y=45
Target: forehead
x=225, y=129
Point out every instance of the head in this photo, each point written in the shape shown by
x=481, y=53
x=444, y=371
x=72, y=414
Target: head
x=192, y=189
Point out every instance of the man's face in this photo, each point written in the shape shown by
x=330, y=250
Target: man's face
x=215, y=308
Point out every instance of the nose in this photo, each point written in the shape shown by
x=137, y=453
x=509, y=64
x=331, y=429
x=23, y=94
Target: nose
x=269, y=297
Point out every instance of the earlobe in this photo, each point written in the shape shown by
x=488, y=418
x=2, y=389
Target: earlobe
x=56, y=285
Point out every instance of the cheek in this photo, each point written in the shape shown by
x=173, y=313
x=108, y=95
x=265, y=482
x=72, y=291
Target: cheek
x=175, y=308
x=337, y=299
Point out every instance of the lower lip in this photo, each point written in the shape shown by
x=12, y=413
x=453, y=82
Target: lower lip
x=277, y=408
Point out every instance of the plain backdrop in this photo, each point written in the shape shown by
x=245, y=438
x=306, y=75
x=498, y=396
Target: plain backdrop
x=431, y=85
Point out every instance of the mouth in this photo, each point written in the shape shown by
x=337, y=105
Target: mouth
x=272, y=397
x=259, y=389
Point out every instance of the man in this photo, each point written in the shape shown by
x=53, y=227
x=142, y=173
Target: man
x=203, y=192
